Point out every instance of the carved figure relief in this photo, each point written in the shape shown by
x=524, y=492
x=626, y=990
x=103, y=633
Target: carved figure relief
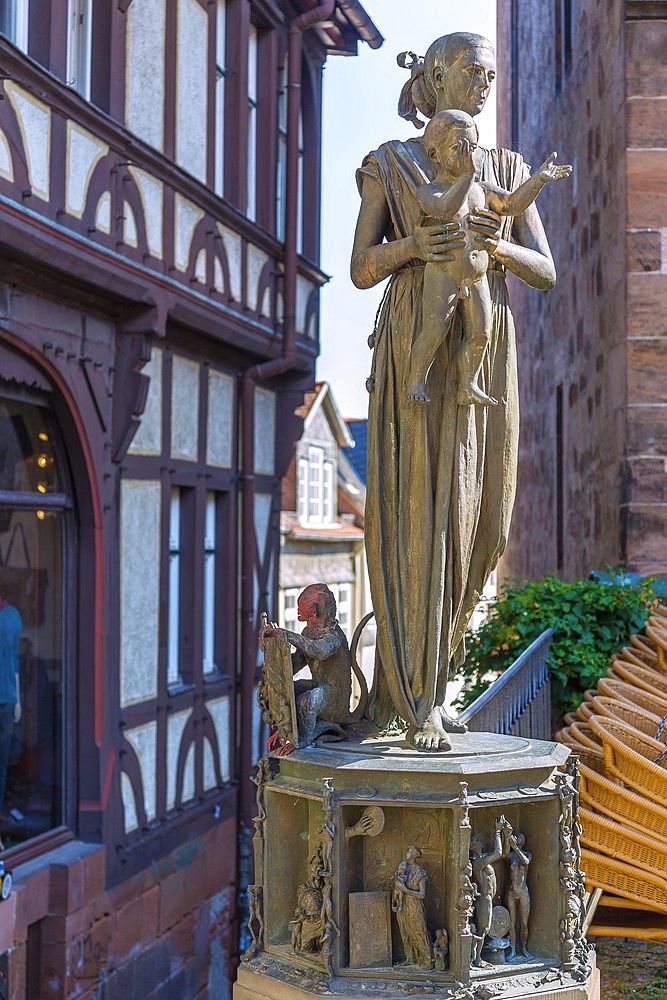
x=573, y=945
x=440, y=950
x=408, y=903
x=485, y=878
x=518, y=896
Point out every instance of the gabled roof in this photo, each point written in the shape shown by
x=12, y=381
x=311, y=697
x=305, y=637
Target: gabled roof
x=323, y=397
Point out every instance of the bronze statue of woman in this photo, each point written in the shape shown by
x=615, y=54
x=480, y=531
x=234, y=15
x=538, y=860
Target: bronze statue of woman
x=441, y=476
x=409, y=905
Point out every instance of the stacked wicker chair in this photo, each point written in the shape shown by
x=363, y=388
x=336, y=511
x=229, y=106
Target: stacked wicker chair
x=619, y=733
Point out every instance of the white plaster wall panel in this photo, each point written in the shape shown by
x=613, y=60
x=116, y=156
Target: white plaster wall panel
x=280, y=308
x=219, y=711
x=265, y=431
x=129, y=803
x=218, y=275
x=210, y=780
x=220, y=421
x=143, y=740
x=6, y=164
x=34, y=121
x=184, y=408
x=303, y=290
x=256, y=259
x=148, y=439
x=84, y=151
x=188, y=791
x=103, y=213
x=130, y=236
x=186, y=217
x=233, y=245
x=191, y=87
x=262, y=519
x=151, y=192
x=139, y=589
x=176, y=724
x=265, y=305
x=144, y=70
x=200, y=267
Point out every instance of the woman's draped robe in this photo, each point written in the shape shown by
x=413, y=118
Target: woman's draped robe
x=441, y=477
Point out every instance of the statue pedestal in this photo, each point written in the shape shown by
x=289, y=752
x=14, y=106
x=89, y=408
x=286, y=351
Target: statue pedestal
x=333, y=826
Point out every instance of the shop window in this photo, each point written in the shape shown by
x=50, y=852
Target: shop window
x=35, y=538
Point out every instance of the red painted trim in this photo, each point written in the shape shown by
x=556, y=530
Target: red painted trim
x=88, y=805
x=63, y=388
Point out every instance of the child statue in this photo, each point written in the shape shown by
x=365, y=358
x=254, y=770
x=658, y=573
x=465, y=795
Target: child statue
x=450, y=139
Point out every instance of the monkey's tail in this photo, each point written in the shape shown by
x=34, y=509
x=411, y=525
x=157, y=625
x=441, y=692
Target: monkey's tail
x=360, y=710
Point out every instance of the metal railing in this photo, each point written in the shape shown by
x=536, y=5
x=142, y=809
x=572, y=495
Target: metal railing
x=519, y=701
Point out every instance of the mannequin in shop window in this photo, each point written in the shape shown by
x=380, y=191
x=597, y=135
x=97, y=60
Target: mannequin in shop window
x=11, y=627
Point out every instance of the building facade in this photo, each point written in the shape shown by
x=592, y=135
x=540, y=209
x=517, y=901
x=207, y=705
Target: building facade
x=322, y=523
x=588, y=78
x=159, y=238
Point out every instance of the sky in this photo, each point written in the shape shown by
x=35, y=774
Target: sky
x=360, y=98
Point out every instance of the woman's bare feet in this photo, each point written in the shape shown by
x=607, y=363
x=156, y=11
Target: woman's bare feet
x=473, y=394
x=417, y=393
x=431, y=735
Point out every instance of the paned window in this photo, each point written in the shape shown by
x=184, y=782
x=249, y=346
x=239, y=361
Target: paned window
x=14, y=22
x=251, y=204
x=220, y=71
x=36, y=535
x=79, y=20
x=343, y=594
x=316, y=498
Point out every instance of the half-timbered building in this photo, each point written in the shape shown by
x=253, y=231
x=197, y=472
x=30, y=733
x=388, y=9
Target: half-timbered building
x=159, y=280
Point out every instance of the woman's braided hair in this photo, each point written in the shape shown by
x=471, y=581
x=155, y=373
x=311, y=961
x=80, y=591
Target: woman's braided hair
x=419, y=92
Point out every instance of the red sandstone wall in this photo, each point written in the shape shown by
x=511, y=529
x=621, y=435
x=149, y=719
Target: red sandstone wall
x=163, y=934
x=573, y=336
x=646, y=258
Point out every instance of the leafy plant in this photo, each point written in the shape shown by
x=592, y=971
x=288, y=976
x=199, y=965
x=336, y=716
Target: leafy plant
x=590, y=622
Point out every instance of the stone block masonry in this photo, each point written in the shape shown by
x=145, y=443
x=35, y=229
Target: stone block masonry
x=166, y=933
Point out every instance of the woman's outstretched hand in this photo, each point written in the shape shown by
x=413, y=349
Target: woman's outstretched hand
x=439, y=242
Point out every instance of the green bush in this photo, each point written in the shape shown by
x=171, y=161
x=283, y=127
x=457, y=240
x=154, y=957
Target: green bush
x=590, y=622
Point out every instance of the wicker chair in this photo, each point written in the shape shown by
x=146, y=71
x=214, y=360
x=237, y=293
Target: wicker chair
x=646, y=722
x=621, y=804
x=632, y=757
x=623, y=691
x=645, y=678
x=609, y=837
x=624, y=880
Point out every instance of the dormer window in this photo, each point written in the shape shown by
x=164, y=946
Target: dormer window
x=316, y=488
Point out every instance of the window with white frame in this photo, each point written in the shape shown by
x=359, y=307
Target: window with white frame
x=209, y=665
x=316, y=488
x=14, y=21
x=173, y=605
x=302, y=490
x=79, y=36
x=220, y=39
x=251, y=202
x=289, y=615
x=281, y=162
x=343, y=594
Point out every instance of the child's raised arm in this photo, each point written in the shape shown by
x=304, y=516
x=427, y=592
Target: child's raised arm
x=516, y=202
